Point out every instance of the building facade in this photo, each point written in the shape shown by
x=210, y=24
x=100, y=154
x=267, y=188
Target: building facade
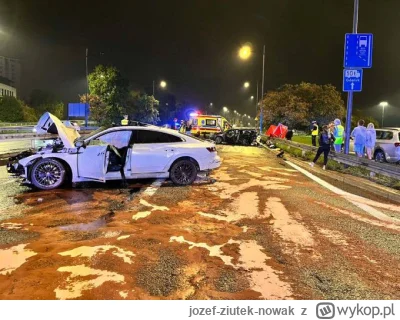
x=11, y=69
x=6, y=88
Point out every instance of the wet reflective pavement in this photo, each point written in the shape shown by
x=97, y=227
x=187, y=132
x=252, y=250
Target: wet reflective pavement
x=262, y=231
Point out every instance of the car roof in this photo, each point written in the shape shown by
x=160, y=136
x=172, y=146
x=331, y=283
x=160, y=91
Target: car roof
x=388, y=128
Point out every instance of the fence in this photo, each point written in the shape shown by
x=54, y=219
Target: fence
x=387, y=169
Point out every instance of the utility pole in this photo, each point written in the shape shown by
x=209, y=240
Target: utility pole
x=262, y=92
x=350, y=93
x=87, y=90
x=257, y=99
x=153, y=88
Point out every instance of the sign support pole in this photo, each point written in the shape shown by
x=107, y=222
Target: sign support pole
x=350, y=93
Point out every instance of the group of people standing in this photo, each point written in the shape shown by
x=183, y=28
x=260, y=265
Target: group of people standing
x=332, y=138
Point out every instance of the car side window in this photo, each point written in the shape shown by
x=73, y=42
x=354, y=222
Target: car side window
x=149, y=136
x=118, y=139
x=384, y=135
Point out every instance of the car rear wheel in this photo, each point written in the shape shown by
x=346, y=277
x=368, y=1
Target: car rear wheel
x=183, y=172
x=218, y=140
x=48, y=174
x=380, y=156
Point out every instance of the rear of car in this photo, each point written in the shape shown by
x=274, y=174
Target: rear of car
x=387, y=146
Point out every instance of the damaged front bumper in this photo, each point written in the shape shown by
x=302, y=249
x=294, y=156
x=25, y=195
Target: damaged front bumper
x=13, y=165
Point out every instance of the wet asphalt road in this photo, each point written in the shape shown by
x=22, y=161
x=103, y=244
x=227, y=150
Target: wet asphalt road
x=263, y=230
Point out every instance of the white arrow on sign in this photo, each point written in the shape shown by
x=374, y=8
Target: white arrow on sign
x=352, y=85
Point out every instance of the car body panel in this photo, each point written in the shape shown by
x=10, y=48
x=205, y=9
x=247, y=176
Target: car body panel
x=90, y=159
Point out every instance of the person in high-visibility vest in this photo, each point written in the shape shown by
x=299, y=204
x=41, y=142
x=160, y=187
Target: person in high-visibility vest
x=125, y=121
x=314, y=133
x=182, y=129
x=338, y=133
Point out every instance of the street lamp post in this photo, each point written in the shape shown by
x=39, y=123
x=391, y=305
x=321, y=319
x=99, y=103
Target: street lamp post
x=87, y=90
x=244, y=54
x=383, y=104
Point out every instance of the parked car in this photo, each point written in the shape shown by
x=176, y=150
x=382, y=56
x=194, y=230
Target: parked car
x=236, y=136
x=387, y=146
x=114, y=153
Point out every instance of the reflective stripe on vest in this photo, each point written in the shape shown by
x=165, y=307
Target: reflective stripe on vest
x=314, y=132
x=340, y=132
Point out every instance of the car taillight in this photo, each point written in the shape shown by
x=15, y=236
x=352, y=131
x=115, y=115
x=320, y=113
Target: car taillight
x=212, y=149
x=397, y=144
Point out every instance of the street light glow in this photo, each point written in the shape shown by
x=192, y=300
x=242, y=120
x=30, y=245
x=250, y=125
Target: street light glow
x=163, y=84
x=246, y=84
x=252, y=97
x=225, y=109
x=245, y=52
x=384, y=104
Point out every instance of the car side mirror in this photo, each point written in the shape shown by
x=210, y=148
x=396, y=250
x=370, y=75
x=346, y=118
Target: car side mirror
x=80, y=144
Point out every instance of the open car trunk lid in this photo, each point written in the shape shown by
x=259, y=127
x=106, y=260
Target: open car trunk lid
x=49, y=123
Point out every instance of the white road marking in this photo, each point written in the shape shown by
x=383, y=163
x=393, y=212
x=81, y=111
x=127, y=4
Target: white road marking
x=358, y=201
x=151, y=190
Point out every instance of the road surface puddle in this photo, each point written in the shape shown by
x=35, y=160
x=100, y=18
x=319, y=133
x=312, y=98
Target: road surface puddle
x=89, y=252
x=243, y=207
x=11, y=226
x=226, y=190
x=281, y=171
x=264, y=279
x=91, y=226
x=335, y=237
x=75, y=285
x=14, y=257
x=215, y=251
x=124, y=294
x=145, y=214
x=123, y=237
x=288, y=228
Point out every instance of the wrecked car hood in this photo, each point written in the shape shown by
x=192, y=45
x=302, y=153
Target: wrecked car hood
x=49, y=123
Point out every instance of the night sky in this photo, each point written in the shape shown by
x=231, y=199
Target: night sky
x=193, y=46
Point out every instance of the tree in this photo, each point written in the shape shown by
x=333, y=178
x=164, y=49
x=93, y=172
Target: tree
x=358, y=115
x=142, y=107
x=98, y=109
x=297, y=105
x=10, y=109
x=108, y=84
x=42, y=101
x=29, y=114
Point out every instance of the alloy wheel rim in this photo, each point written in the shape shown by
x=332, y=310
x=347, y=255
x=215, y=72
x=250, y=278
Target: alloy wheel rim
x=47, y=174
x=183, y=173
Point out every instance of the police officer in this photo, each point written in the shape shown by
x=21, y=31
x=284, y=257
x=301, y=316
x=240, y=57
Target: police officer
x=314, y=133
x=124, y=121
x=182, y=129
x=338, y=133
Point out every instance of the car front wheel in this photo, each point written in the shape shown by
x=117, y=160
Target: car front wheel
x=218, y=140
x=183, y=172
x=48, y=174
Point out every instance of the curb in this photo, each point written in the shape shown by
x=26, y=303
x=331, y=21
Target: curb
x=357, y=182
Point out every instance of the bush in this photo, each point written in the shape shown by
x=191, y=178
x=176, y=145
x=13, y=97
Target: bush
x=10, y=110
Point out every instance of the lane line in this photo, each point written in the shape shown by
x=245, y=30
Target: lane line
x=151, y=190
x=358, y=201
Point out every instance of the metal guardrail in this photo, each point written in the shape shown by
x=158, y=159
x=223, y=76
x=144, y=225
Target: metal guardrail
x=389, y=170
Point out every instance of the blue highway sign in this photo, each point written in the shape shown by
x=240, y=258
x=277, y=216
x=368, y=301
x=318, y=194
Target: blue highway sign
x=352, y=80
x=358, y=50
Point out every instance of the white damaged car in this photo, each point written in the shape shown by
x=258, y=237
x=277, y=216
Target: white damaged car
x=113, y=153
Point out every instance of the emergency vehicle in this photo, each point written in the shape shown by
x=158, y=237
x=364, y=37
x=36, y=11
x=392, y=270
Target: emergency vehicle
x=208, y=124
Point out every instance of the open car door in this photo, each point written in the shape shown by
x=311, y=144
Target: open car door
x=92, y=162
